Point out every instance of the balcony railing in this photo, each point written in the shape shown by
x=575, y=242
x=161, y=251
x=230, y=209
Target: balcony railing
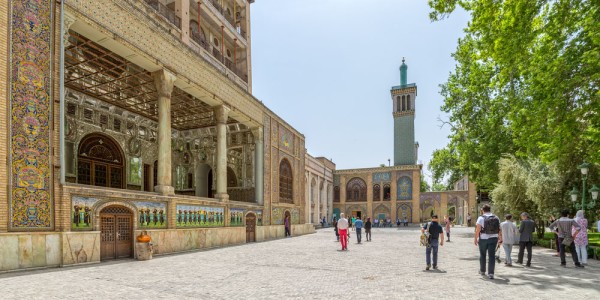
x=241, y=194
x=165, y=12
x=230, y=19
x=198, y=38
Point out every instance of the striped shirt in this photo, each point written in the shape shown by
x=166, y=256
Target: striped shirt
x=564, y=226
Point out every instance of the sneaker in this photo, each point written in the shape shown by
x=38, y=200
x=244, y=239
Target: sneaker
x=491, y=276
x=579, y=266
x=435, y=267
x=481, y=273
x=427, y=268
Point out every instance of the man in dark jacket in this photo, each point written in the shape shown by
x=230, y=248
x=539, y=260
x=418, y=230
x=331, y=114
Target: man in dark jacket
x=436, y=237
x=368, y=229
x=526, y=229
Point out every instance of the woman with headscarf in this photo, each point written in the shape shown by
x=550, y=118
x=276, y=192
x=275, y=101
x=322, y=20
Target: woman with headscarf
x=581, y=240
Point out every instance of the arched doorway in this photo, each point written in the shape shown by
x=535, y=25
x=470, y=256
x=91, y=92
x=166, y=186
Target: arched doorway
x=250, y=228
x=100, y=162
x=116, y=232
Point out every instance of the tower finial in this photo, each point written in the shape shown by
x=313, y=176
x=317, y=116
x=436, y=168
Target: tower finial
x=403, y=73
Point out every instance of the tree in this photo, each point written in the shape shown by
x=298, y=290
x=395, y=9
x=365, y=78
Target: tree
x=424, y=185
x=445, y=169
x=526, y=83
x=529, y=186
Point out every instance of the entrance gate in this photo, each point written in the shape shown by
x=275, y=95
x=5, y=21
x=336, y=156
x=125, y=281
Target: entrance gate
x=250, y=228
x=116, y=233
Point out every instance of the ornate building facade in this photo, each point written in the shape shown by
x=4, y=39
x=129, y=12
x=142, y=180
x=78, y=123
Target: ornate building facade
x=393, y=192
x=130, y=115
x=319, y=189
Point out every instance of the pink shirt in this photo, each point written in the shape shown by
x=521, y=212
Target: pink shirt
x=582, y=238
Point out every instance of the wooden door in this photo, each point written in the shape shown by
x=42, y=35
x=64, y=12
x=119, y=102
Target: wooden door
x=250, y=228
x=116, y=232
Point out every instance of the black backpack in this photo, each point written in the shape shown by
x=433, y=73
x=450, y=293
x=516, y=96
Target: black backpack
x=491, y=224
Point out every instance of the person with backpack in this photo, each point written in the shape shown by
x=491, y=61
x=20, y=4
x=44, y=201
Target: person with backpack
x=487, y=235
x=435, y=237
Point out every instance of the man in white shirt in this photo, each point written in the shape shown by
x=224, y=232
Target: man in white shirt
x=509, y=232
x=343, y=231
x=487, y=235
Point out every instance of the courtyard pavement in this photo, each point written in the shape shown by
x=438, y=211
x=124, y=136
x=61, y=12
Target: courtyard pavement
x=312, y=267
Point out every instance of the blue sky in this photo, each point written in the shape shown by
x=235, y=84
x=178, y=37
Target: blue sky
x=327, y=66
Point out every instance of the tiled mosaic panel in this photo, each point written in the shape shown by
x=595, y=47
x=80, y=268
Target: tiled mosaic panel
x=31, y=204
x=404, y=188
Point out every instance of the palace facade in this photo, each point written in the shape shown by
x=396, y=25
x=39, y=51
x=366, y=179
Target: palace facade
x=123, y=116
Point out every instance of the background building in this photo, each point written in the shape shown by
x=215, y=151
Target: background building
x=394, y=192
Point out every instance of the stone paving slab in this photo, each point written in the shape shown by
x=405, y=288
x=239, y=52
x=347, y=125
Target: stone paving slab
x=312, y=267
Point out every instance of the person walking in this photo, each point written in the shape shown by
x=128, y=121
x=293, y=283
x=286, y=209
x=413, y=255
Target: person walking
x=435, y=237
x=368, y=226
x=352, y=222
x=509, y=232
x=358, y=224
x=581, y=241
x=448, y=222
x=286, y=222
x=566, y=237
x=526, y=229
x=343, y=231
x=488, y=234
x=335, y=229
x=468, y=220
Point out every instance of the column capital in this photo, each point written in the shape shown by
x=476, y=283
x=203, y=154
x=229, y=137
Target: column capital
x=221, y=113
x=257, y=132
x=68, y=21
x=164, y=81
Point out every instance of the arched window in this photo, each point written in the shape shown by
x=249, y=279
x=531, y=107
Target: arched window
x=376, y=192
x=286, y=179
x=100, y=162
x=408, y=102
x=386, y=192
x=356, y=190
x=336, y=194
x=231, y=178
x=403, y=103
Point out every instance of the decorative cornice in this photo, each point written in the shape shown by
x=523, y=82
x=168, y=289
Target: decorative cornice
x=379, y=169
x=402, y=91
x=403, y=113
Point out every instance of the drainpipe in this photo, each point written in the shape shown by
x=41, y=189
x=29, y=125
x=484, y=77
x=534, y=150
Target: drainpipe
x=62, y=94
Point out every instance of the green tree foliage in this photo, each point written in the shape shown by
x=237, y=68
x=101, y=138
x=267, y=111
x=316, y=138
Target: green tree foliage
x=526, y=82
x=445, y=169
x=529, y=186
x=424, y=185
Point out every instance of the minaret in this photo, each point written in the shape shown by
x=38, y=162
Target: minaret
x=403, y=101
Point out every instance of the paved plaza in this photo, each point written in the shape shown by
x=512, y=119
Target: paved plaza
x=312, y=267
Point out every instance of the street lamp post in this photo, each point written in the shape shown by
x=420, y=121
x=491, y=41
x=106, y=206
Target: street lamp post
x=585, y=167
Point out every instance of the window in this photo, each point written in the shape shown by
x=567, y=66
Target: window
x=408, y=102
x=286, y=182
x=398, y=103
x=336, y=194
x=386, y=192
x=100, y=162
x=376, y=192
x=356, y=190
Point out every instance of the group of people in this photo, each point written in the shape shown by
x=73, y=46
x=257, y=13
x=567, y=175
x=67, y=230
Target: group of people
x=403, y=222
x=342, y=226
x=490, y=233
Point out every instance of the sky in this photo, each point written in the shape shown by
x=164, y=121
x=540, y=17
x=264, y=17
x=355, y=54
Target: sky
x=327, y=66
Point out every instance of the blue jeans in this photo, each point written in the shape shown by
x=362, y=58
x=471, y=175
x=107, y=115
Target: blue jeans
x=358, y=234
x=433, y=247
x=487, y=248
x=507, y=251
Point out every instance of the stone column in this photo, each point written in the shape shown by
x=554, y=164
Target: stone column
x=221, y=114
x=164, y=81
x=182, y=9
x=202, y=185
x=258, y=165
